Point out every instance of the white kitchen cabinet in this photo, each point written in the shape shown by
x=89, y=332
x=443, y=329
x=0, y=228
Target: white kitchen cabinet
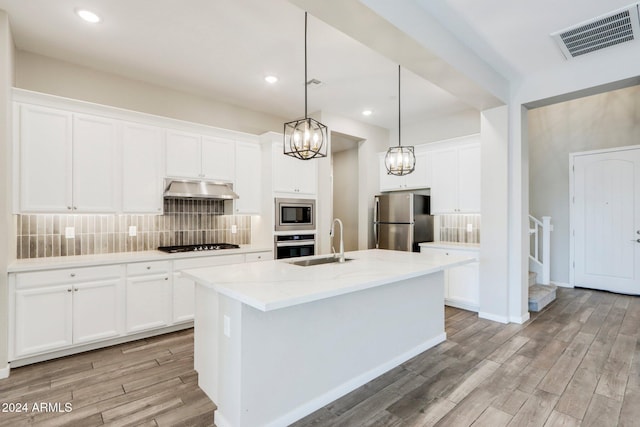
x=456, y=180
x=291, y=175
x=45, y=144
x=218, y=159
x=95, y=164
x=68, y=162
x=43, y=319
x=462, y=284
x=60, y=308
x=184, y=155
x=419, y=178
x=201, y=157
x=183, y=299
x=148, y=296
x=142, y=168
x=248, y=178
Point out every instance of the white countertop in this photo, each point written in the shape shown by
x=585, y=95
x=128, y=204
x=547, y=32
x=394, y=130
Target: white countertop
x=451, y=245
x=35, y=264
x=271, y=285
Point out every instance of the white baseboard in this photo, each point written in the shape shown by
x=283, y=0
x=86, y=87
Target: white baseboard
x=520, y=319
x=494, y=317
x=4, y=372
x=350, y=385
x=561, y=284
x=461, y=305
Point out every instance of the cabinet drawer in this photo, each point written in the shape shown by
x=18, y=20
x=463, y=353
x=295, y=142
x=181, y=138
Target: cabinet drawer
x=259, y=256
x=209, y=261
x=52, y=277
x=152, y=267
x=448, y=252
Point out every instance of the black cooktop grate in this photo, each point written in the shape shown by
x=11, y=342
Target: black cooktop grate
x=198, y=248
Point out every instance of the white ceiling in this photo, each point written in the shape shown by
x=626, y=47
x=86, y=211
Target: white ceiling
x=222, y=49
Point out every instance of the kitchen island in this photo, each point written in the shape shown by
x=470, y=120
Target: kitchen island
x=275, y=341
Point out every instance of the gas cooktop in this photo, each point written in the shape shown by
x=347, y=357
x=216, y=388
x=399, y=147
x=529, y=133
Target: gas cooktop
x=197, y=248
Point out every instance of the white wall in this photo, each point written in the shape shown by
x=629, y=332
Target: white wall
x=7, y=221
x=607, y=120
x=42, y=74
x=494, y=238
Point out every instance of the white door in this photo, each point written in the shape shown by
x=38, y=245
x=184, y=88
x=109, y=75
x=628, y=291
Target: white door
x=43, y=319
x=183, y=153
x=606, y=217
x=184, y=298
x=218, y=159
x=45, y=159
x=95, y=165
x=469, y=179
x=142, y=155
x=97, y=310
x=248, y=183
x=148, y=302
x=444, y=188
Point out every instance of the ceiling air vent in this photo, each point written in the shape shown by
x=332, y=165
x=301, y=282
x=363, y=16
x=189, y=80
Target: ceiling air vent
x=620, y=26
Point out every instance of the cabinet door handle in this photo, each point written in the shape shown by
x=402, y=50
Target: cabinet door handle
x=75, y=289
x=68, y=290
x=73, y=275
x=166, y=278
x=148, y=267
x=69, y=207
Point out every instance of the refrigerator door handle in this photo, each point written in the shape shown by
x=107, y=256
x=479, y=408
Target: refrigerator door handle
x=375, y=221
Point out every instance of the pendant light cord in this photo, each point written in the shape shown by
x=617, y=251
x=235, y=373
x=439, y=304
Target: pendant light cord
x=305, y=65
x=399, y=139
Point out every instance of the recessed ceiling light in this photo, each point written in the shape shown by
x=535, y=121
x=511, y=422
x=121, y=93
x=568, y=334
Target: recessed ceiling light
x=88, y=16
x=271, y=79
x=367, y=112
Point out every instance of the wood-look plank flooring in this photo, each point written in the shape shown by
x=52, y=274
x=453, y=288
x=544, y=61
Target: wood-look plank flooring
x=576, y=363
x=149, y=382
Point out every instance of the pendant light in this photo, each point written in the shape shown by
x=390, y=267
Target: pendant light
x=306, y=138
x=400, y=160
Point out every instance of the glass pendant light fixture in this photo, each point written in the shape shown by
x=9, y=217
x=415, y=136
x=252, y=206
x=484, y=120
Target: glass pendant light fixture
x=400, y=160
x=306, y=138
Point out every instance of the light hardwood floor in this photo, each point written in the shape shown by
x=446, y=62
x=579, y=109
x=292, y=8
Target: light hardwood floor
x=576, y=363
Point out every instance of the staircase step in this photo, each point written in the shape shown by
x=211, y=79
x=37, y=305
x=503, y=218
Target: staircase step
x=533, y=278
x=540, y=296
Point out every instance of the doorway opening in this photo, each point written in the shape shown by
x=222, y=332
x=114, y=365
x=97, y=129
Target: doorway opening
x=345, y=172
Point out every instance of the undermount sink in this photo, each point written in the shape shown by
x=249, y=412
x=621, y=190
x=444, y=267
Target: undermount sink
x=317, y=261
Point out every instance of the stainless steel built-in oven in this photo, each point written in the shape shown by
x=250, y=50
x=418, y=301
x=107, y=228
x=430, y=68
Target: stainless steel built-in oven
x=295, y=214
x=294, y=245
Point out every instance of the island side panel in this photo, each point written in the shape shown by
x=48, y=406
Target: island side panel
x=216, y=355
x=298, y=359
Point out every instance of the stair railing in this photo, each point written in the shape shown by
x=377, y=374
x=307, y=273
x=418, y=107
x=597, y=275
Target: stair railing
x=539, y=247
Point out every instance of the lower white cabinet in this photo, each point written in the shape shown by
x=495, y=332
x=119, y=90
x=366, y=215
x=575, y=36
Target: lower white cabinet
x=148, y=296
x=461, y=284
x=58, y=309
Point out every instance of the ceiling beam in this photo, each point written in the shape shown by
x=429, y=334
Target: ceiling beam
x=409, y=41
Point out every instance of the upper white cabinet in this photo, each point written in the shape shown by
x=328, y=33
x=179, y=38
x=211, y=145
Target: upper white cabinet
x=456, y=180
x=419, y=178
x=95, y=161
x=45, y=140
x=68, y=162
x=195, y=156
x=142, y=168
x=218, y=159
x=291, y=175
x=248, y=176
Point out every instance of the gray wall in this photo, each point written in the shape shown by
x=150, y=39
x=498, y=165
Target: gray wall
x=345, y=196
x=607, y=120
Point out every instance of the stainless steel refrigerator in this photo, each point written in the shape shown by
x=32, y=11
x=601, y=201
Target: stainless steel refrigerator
x=401, y=221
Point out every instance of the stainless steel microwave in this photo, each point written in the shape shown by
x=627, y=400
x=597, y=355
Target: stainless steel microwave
x=295, y=214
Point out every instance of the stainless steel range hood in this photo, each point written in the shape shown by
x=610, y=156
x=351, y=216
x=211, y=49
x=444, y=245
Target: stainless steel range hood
x=193, y=189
